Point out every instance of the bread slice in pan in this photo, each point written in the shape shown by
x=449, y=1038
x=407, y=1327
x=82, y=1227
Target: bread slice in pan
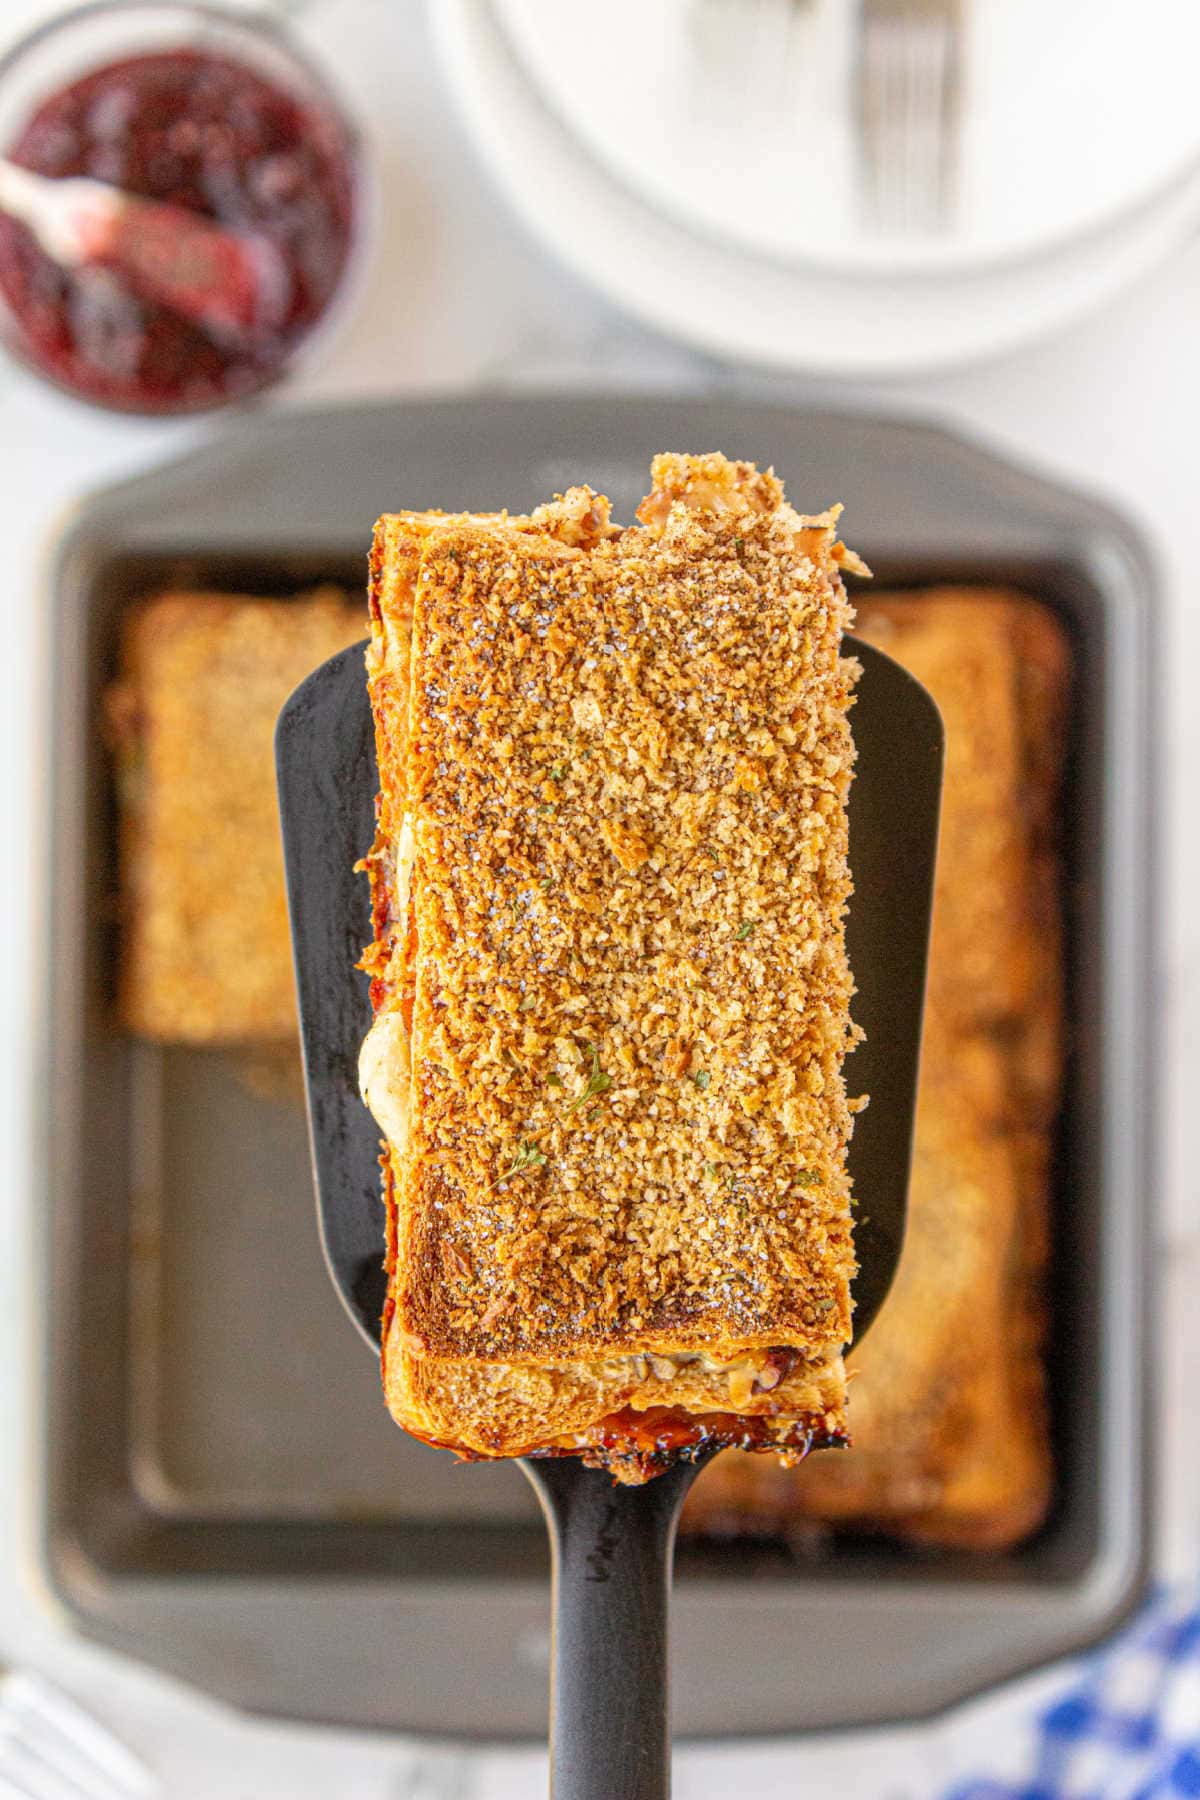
x=951, y=1441
x=205, y=950
x=610, y=982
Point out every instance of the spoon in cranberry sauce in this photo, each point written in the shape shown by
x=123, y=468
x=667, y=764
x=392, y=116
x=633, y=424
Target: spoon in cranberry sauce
x=232, y=284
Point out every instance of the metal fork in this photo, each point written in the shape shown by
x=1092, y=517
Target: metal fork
x=51, y=1749
x=908, y=83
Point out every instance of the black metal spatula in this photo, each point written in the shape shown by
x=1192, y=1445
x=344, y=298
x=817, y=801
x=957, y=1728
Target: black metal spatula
x=612, y=1546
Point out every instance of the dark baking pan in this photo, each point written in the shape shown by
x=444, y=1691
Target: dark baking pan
x=223, y=1492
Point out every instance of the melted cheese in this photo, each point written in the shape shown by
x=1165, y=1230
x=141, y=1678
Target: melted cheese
x=385, y=1076
x=385, y=1060
x=664, y=1365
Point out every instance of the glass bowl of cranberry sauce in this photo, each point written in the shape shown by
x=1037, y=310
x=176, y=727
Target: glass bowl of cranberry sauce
x=203, y=108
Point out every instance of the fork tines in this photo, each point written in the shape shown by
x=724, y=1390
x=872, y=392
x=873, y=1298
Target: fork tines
x=909, y=83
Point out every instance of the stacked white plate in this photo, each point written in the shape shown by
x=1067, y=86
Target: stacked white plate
x=698, y=161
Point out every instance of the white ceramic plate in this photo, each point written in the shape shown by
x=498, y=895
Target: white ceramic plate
x=737, y=117
x=757, y=309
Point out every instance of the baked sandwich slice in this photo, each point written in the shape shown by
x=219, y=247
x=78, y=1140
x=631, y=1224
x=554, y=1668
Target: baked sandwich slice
x=205, y=954
x=611, y=992
x=951, y=1445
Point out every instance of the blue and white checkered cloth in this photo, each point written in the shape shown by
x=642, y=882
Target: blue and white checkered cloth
x=1126, y=1728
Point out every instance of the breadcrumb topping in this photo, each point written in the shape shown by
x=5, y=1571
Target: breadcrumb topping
x=624, y=758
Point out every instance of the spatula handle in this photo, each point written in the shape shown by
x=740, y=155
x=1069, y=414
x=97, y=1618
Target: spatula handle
x=613, y=1547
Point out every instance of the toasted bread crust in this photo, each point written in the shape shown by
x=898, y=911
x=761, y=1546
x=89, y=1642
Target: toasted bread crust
x=619, y=976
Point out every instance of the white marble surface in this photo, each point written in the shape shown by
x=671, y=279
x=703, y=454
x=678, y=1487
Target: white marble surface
x=460, y=299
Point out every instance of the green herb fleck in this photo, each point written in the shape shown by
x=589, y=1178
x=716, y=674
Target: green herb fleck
x=547, y=806
x=558, y=771
x=528, y=1003
x=746, y=929
x=546, y=883
x=597, y=1082
x=702, y=1078
x=554, y=1079
x=808, y=1178
x=527, y=1156
x=710, y=1169
x=708, y=850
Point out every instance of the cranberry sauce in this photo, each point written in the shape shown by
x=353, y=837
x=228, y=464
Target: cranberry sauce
x=203, y=132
